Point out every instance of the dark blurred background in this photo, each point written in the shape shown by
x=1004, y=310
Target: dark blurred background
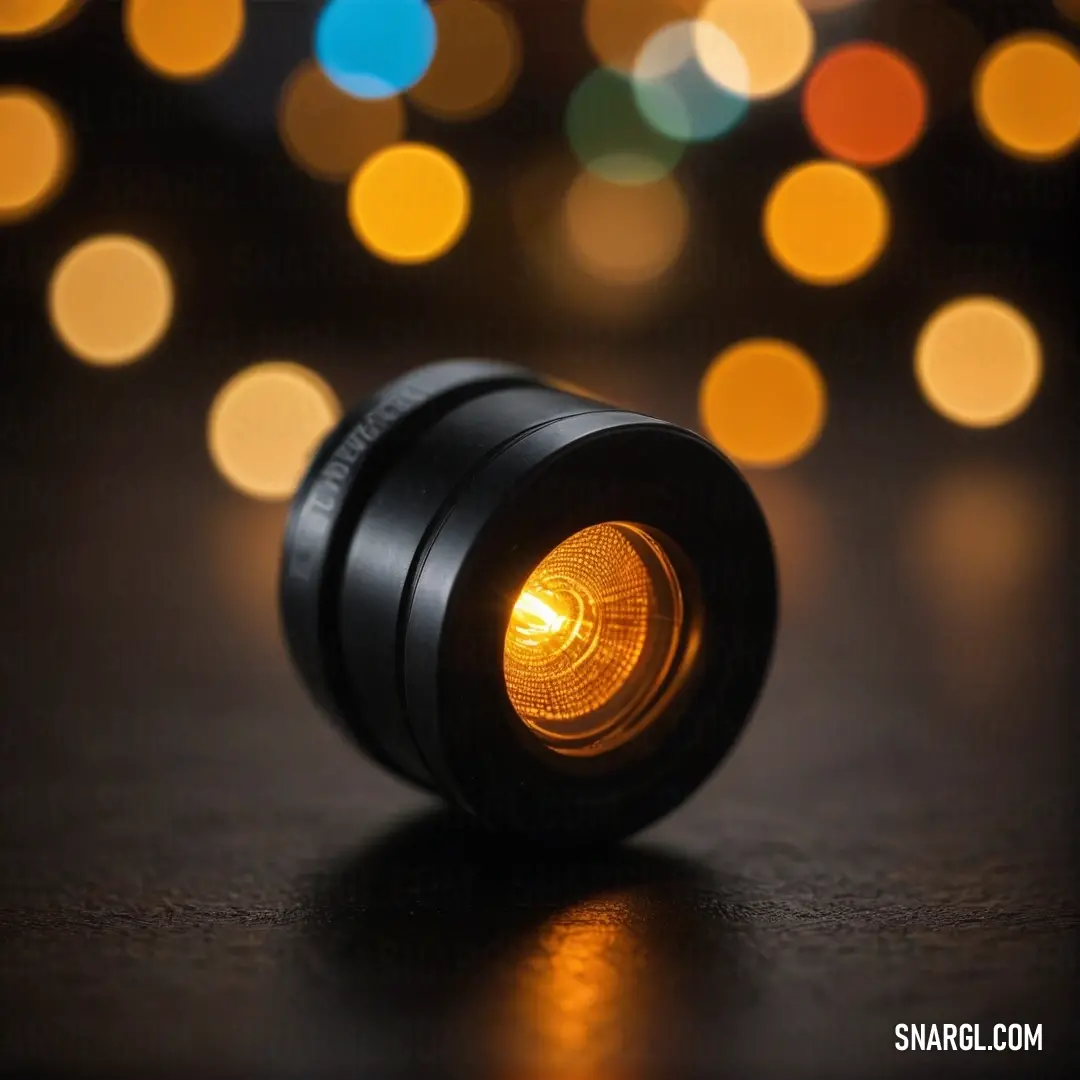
x=199, y=875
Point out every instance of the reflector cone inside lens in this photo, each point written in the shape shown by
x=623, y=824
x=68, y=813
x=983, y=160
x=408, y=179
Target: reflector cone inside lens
x=593, y=637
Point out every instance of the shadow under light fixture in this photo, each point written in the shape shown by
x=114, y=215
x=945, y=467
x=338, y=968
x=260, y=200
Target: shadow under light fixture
x=555, y=613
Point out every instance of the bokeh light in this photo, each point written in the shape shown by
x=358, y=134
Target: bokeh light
x=979, y=545
x=978, y=361
x=558, y=277
x=409, y=203
x=241, y=546
x=25, y=17
x=622, y=234
x=1027, y=96
x=943, y=44
x=184, y=39
x=265, y=424
x=477, y=60
x=329, y=133
x=979, y=536
x=763, y=402
x=35, y=152
x=110, y=299
x=775, y=37
x=865, y=103
x=617, y=30
x=375, y=48
x=826, y=223
x=609, y=133
x=674, y=87
x=1069, y=8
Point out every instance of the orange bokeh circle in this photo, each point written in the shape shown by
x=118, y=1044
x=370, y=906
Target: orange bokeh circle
x=865, y=103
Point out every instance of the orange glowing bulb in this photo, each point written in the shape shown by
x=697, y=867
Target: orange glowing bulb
x=592, y=637
x=536, y=620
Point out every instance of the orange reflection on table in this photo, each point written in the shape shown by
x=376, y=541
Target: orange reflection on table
x=580, y=1007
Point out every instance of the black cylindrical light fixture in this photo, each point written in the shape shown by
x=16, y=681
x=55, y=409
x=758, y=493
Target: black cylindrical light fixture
x=555, y=613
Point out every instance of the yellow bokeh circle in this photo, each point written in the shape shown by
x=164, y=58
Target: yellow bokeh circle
x=110, y=299
x=409, y=203
x=775, y=37
x=978, y=361
x=1027, y=96
x=763, y=402
x=265, y=424
x=25, y=17
x=184, y=39
x=826, y=223
x=35, y=152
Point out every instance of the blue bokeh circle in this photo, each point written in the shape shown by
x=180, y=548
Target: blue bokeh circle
x=375, y=48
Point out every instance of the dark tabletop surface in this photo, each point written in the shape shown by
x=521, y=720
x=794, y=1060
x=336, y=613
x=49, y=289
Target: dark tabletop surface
x=200, y=877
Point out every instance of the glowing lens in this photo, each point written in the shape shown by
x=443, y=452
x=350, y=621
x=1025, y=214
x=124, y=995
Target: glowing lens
x=593, y=638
